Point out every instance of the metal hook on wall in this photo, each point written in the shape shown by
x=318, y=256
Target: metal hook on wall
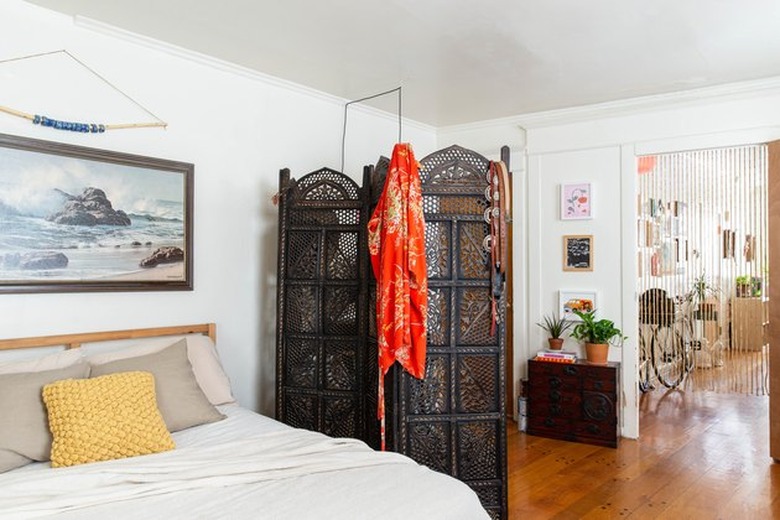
x=346, y=106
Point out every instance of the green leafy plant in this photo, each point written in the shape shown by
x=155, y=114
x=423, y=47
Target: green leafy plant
x=700, y=289
x=748, y=286
x=696, y=296
x=555, y=325
x=591, y=330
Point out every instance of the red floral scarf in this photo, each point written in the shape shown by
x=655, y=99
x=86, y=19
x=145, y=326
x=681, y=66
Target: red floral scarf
x=396, y=243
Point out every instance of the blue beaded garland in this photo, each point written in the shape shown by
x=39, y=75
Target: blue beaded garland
x=86, y=128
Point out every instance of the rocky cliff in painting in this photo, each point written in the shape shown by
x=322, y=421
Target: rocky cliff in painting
x=91, y=208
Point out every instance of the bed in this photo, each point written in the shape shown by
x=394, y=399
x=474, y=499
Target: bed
x=237, y=464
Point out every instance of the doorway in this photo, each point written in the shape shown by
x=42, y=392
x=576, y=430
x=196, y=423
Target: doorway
x=702, y=257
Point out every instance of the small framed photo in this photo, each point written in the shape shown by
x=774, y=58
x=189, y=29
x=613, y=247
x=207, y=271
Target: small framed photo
x=578, y=252
x=569, y=301
x=576, y=201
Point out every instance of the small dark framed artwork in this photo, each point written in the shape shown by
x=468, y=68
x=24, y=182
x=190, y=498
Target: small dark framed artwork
x=76, y=219
x=578, y=252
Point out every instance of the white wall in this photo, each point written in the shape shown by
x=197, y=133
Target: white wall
x=238, y=129
x=599, y=144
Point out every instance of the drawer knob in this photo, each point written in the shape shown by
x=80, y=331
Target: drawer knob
x=570, y=371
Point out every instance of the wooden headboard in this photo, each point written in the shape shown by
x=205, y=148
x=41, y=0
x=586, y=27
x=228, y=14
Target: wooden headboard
x=76, y=340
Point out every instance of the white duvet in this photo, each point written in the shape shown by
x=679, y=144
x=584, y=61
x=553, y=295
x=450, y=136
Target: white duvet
x=244, y=467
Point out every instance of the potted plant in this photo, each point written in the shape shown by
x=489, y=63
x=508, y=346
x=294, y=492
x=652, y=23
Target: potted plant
x=555, y=326
x=697, y=296
x=597, y=336
x=743, y=283
x=755, y=286
x=700, y=290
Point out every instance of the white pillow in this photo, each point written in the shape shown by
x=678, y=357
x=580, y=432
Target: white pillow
x=54, y=361
x=203, y=357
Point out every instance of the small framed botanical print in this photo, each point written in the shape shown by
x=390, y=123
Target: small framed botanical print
x=576, y=201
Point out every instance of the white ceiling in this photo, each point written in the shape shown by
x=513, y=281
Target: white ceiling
x=460, y=61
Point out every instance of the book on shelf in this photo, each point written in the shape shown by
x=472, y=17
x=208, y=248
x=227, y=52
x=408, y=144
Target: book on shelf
x=555, y=360
x=557, y=353
x=559, y=356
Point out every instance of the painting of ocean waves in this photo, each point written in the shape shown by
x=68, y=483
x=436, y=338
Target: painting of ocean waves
x=68, y=218
x=97, y=251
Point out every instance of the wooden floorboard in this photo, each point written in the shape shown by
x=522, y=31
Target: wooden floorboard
x=700, y=455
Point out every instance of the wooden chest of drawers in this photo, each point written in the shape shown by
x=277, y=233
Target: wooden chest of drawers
x=574, y=401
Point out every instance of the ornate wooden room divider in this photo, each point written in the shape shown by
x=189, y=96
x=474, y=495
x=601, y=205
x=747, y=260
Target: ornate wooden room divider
x=452, y=421
x=322, y=308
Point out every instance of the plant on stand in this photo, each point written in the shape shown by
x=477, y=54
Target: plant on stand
x=700, y=290
x=555, y=326
x=597, y=335
x=742, y=286
x=701, y=304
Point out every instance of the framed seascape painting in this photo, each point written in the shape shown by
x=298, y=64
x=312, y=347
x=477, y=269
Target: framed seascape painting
x=576, y=201
x=83, y=219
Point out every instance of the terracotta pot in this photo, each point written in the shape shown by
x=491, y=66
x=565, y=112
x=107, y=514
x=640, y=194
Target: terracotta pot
x=555, y=343
x=597, y=353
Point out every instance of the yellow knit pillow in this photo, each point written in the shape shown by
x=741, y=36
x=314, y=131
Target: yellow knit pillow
x=104, y=418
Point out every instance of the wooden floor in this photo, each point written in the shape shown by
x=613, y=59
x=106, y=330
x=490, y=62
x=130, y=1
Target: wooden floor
x=700, y=455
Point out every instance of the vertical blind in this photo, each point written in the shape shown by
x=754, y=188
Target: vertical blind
x=703, y=269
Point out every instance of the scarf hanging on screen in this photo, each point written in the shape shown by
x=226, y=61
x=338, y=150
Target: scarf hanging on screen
x=396, y=243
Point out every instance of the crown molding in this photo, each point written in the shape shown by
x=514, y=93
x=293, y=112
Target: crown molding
x=627, y=107
x=238, y=70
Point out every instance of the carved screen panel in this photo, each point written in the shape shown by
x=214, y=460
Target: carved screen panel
x=454, y=420
x=322, y=314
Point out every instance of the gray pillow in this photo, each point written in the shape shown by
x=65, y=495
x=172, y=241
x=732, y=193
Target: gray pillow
x=24, y=428
x=181, y=401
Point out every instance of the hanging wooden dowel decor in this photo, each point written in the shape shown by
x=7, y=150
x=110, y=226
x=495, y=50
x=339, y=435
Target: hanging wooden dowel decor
x=79, y=126
x=86, y=128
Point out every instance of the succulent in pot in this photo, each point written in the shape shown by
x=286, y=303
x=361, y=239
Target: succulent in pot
x=555, y=326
